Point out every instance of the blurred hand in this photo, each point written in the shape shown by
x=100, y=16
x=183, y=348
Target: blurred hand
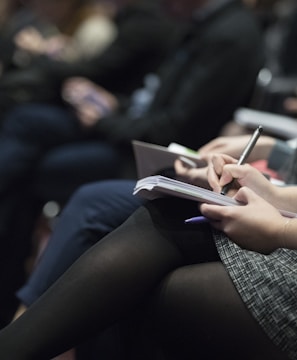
x=90, y=101
x=196, y=176
x=290, y=105
x=234, y=145
x=55, y=46
x=31, y=40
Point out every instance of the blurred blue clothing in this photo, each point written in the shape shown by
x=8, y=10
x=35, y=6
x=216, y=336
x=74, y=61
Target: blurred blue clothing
x=93, y=211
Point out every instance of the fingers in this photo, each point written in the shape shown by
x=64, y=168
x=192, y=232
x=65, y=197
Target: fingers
x=224, y=217
x=88, y=115
x=233, y=171
x=196, y=176
x=74, y=89
x=245, y=195
x=213, y=212
x=180, y=168
x=224, y=169
x=217, y=215
x=30, y=39
x=217, y=169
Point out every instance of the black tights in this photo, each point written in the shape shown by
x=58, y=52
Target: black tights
x=153, y=251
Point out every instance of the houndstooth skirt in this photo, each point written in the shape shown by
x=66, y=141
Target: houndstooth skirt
x=268, y=286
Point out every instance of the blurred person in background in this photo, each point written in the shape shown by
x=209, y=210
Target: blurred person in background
x=77, y=29
x=118, y=62
x=66, y=31
x=139, y=46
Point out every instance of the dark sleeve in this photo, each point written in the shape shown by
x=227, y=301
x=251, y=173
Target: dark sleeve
x=139, y=47
x=199, y=95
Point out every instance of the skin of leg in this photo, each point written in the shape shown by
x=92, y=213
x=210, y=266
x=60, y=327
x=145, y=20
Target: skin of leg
x=200, y=315
x=108, y=281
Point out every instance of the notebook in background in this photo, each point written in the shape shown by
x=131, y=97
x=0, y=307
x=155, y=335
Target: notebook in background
x=152, y=159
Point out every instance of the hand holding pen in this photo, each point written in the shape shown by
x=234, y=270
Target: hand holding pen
x=242, y=159
x=245, y=154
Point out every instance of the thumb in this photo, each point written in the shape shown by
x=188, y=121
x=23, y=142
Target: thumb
x=233, y=171
x=245, y=195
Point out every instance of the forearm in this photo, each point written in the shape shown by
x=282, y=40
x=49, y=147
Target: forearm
x=263, y=149
x=285, y=198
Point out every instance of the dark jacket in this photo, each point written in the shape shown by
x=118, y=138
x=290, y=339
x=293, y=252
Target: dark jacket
x=209, y=75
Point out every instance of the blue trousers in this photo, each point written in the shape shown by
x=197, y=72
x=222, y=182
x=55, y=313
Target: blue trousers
x=38, y=137
x=44, y=155
x=93, y=211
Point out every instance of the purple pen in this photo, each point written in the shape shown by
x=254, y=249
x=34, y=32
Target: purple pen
x=196, y=220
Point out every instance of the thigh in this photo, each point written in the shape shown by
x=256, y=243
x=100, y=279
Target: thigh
x=194, y=241
x=92, y=212
x=41, y=123
x=150, y=244
x=28, y=133
x=66, y=167
x=201, y=315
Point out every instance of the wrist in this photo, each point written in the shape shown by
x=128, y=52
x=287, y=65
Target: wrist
x=287, y=236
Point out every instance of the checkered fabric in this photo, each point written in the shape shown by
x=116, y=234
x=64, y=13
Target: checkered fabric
x=268, y=287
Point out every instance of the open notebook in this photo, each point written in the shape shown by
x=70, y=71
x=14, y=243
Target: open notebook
x=156, y=186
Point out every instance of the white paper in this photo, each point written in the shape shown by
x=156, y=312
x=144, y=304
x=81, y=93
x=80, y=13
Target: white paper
x=153, y=187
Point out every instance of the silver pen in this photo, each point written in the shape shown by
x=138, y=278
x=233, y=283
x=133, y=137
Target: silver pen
x=246, y=152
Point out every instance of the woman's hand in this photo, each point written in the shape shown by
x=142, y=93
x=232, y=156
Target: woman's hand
x=223, y=169
x=196, y=176
x=257, y=225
